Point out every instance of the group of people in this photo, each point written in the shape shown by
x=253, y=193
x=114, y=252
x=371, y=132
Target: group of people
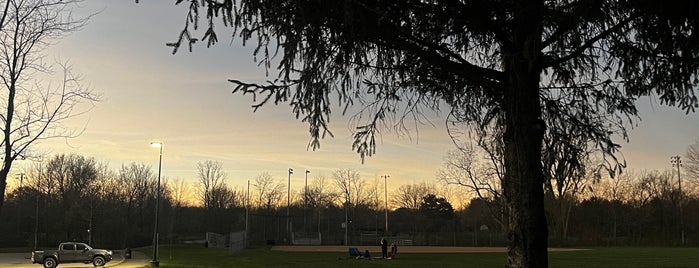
x=384, y=251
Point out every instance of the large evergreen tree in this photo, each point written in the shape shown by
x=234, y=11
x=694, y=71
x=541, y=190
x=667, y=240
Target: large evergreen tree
x=508, y=65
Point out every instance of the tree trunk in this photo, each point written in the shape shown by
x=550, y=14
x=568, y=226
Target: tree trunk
x=3, y=180
x=523, y=137
x=3, y=186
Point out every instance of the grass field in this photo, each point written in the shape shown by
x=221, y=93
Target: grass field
x=190, y=256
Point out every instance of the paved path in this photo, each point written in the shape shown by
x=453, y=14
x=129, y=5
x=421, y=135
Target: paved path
x=21, y=260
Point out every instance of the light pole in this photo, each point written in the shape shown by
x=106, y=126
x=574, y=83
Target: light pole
x=36, y=223
x=155, y=262
x=305, y=201
x=247, y=213
x=288, y=203
x=385, y=198
x=677, y=162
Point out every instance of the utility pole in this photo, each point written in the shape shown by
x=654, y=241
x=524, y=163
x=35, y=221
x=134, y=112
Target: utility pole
x=677, y=162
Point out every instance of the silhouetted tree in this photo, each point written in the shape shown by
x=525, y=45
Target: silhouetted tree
x=637, y=209
x=182, y=194
x=434, y=206
x=462, y=167
x=691, y=161
x=511, y=66
x=212, y=185
x=138, y=184
x=411, y=195
x=320, y=194
x=269, y=193
x=616, y=190
x=76, y=184
x=435, y=214
x=31, y=110
x=354, y=188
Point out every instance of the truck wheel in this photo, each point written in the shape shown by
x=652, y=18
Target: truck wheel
x=50, y=263
x=98, y=261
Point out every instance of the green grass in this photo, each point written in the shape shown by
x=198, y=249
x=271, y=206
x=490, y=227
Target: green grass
x=627, y=257
x=189, y=256
x=264, y=257
x=615, y=257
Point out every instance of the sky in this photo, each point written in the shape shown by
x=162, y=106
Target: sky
x=185, y=102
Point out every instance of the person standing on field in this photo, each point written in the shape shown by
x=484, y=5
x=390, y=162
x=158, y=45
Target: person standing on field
x=384, y=248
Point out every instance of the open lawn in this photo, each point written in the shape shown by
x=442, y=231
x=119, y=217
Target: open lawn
x=197, y=256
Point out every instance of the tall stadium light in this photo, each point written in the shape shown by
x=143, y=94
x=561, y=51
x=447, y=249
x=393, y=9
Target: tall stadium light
x=155, y=262
x=677, y=162
x=288, y=203
x=305, y=201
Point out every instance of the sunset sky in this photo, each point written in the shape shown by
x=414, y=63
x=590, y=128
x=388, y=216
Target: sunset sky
x=184, y=101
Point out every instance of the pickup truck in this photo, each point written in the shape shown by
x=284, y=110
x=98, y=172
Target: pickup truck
x=72, y=252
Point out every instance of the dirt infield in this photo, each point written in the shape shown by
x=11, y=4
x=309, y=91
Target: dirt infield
x=402, y=249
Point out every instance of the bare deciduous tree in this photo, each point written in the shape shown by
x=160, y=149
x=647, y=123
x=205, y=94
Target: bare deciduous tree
x=138, y=183
x=73, y=175
x=269, y=193
x=31, y=111
x=354, y=188
x=211, y=182
x=319, y=193
x=651, y=185
x=460, y=197
x=77, y=180
x=461, y=167
x=138, y=179
x=615, y=189
x=691, y=164
x=223, y=197
x=182, y=195
x=411, y=195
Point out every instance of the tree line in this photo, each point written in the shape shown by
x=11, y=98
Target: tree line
x=73, y=197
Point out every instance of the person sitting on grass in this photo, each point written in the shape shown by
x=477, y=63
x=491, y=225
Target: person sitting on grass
x=367, y=255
